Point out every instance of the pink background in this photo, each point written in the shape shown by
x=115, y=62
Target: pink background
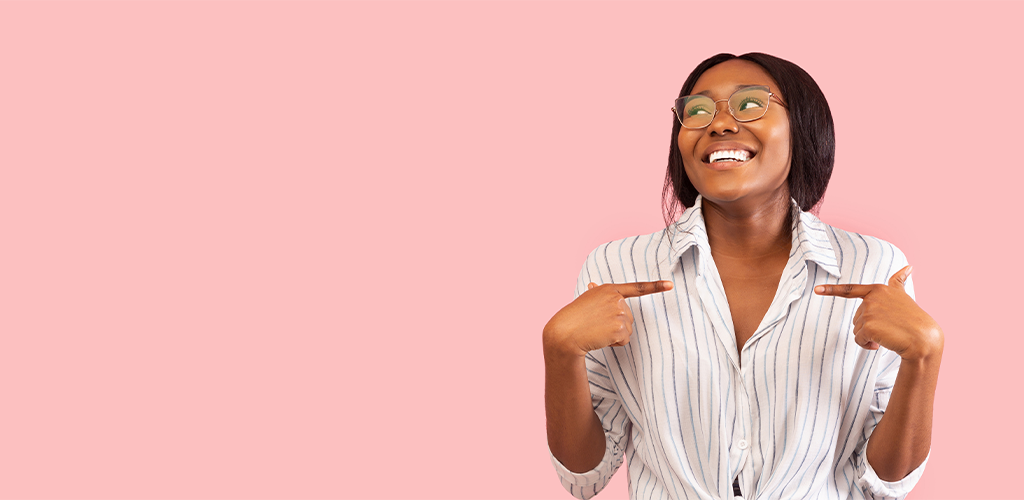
x=306, y=250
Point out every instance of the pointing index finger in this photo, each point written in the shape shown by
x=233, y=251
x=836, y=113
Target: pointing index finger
x=848, y=291
x=642, y=288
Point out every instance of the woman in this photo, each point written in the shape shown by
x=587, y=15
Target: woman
x=748, y=349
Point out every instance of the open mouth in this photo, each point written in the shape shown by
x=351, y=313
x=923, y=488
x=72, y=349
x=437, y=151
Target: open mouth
x=726, y=155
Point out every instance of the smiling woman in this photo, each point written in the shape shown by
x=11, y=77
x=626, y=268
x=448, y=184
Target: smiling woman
x=808, y=116
x=748, y=349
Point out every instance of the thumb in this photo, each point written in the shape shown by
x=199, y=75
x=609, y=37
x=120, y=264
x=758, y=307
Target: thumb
x=900, y=278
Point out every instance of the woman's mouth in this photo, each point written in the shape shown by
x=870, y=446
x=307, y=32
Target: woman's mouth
x=729, y=155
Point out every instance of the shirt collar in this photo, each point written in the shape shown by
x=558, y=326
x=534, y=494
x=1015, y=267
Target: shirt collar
x=810, y=237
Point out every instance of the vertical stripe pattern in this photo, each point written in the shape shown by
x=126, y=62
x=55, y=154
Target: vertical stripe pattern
x=787, y=417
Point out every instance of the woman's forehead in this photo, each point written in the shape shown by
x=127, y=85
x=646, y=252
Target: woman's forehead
x=721, y=80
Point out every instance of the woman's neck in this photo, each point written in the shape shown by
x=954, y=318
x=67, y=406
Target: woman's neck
x=750, y=232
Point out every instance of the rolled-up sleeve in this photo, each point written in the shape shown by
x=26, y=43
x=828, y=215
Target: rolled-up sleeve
x=616, y=426
x=877, y=489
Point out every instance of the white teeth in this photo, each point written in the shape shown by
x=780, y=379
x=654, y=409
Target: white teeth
x=729, y=155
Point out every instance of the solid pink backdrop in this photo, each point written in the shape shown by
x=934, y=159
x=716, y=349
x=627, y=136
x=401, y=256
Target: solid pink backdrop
x=306, y=250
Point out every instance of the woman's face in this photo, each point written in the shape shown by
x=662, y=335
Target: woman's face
x=752, y=183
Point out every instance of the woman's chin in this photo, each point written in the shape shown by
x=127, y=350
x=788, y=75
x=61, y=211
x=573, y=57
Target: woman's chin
x=741, y=194
x=724, y=194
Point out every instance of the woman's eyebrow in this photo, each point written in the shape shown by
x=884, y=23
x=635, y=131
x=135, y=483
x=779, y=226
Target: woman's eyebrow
x=708, y=92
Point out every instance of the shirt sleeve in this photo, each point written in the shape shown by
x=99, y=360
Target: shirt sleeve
x=869, y=482
x=616, y=426
x=609, y=410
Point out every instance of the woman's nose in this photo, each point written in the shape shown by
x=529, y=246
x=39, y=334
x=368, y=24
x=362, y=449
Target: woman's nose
x=723, y=119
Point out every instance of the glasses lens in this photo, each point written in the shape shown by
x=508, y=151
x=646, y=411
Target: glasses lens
x=750, y=103
x=695, y=111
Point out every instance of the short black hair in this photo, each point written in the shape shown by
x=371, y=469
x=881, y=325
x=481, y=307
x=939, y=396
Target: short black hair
x=812, y=135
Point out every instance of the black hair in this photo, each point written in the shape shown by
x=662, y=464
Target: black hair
x=812, y=135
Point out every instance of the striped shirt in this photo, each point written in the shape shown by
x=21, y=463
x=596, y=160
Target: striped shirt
x=690, y=420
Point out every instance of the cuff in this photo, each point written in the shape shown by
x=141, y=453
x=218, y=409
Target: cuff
x=599, y=475
x=870, y=482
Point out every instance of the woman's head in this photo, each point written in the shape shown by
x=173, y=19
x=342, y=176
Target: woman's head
x=805, y=121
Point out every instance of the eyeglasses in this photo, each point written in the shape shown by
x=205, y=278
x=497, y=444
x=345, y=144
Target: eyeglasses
x=746, y=104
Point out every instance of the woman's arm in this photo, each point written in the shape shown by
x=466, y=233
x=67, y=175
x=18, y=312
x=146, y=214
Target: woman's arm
x=598, y=318
x=889, y=317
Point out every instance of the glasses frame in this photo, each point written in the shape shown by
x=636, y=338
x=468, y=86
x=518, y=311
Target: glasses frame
x=731, y=112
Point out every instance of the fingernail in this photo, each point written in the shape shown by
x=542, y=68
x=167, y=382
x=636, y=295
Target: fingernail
x=819, y=289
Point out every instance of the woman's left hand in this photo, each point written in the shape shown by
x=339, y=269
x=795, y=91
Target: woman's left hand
x=889, y=317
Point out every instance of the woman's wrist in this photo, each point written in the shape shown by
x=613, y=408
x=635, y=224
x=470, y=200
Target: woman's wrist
x=558, y=345
x=557, y=349
x=927, y=350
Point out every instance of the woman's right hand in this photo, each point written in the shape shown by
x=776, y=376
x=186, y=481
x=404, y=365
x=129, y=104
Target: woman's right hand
x=597, y=318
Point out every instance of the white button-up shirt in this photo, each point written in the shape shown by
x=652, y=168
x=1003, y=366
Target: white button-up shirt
x=791, y=421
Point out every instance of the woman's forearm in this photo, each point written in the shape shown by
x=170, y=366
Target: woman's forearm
x=575, y=435
x=902, y=438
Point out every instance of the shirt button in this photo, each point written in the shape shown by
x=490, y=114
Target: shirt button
x=743, y=444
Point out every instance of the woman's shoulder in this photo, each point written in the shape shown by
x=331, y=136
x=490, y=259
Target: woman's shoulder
x=632, y=245
x=631, y=258
x=861, y=256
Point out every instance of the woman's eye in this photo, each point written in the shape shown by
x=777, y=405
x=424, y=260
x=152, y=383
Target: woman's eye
x=749, y=103
x=697, y=110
